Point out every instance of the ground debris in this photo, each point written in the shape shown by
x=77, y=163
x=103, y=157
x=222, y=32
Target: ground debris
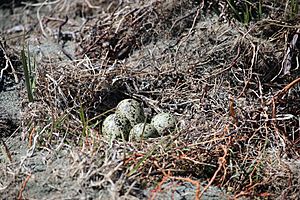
x=231, y=81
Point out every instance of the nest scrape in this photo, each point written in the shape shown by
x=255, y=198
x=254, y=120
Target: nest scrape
x=234, y=89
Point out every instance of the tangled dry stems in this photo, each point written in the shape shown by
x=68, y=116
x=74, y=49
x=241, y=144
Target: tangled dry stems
x=219, y=80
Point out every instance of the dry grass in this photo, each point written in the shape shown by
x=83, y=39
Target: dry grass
x=233, y=88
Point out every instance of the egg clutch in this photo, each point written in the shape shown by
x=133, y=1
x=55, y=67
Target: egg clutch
x=129, y=123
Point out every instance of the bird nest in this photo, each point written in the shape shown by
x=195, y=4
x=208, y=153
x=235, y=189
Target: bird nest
x=233, y=88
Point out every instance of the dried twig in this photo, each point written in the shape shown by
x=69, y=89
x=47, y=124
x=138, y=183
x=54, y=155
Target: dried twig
x=20, y=197
x=7, y=64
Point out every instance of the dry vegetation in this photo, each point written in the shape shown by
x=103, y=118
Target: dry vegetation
x=233, y=87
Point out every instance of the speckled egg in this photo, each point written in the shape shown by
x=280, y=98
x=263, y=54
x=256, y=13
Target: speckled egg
x=163, y=123
x=116, y=126
x=143, y=131
x=132, y=110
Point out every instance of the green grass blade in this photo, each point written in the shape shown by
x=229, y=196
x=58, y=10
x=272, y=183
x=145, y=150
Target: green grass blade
x=83, y=120
x=146, y=156
x=27, y=76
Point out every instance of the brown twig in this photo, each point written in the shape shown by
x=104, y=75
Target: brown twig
x=283, y=91
x=222, y=162
x=30, y=137
x=6, y=150
x=20, y=197
x=168, y=176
